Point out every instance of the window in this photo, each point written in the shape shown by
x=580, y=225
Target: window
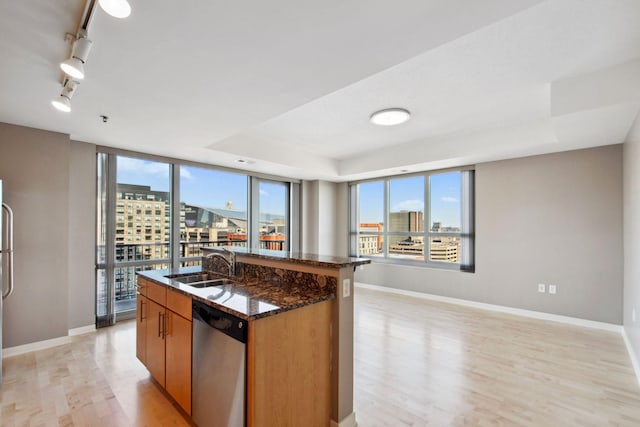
x=391, y=222
x=172, y=211
x=273, y=208
x=371, y=221
x=213, y=211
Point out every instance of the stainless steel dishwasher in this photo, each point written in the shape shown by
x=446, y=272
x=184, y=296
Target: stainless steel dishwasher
x=219, y=365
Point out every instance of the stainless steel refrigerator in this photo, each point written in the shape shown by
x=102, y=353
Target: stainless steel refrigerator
x=6, y=259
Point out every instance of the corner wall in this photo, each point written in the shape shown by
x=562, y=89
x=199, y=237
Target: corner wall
x=82, y=236
x=324, y=213
x=46, y=181
x=632, y=245
x=552, y=219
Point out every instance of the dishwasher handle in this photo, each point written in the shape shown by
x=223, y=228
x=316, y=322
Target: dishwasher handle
x=226, y=323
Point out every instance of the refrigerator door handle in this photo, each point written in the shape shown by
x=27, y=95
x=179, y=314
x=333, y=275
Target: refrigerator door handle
x=9, y=250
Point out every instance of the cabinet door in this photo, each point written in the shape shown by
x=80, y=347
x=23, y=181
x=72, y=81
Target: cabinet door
x=155, y=341
x=178, y=347
x=141, y=328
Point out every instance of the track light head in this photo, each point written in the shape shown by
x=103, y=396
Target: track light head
x=74, y=66
x=116, y=8
x=63, y=102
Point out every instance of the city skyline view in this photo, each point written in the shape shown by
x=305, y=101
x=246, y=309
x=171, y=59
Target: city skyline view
x=201, y=186
x=407, y=194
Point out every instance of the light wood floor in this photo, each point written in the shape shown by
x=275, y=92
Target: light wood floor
x=423, y=363
x=418, y=363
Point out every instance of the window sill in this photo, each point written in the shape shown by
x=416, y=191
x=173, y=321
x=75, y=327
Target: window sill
x=434, y=265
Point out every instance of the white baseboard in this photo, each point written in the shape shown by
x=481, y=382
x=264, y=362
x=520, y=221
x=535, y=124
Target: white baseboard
x=42, y=345
x=82, y=330
x=348, y=421
x=34, y=346
x=502, y=309
x=632, y=355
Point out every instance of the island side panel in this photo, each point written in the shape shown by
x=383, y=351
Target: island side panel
x=342, y=333
x=288, y=368
x=342, y=344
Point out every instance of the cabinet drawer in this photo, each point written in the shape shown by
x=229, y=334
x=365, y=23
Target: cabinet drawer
x=158, y=293
x=179, y=303
x=142, y=286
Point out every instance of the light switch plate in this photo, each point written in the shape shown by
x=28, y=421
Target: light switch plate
x=541, y=287
x=346, y=288
x=552, y=289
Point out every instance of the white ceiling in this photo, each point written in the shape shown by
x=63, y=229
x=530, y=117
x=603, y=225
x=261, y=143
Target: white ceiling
x=290, y=85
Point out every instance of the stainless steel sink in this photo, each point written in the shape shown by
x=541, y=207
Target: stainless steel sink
x=210, y=283
x=192, y=278
x=201, y=280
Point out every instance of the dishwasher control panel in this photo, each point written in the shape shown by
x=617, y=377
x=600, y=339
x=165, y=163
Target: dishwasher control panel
x=224, y=322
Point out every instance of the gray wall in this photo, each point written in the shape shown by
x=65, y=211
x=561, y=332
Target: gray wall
x=35, y=167
x=632, y=243
x=82, y=235
x=324, y=213
x=309, y=217
x=553, y=219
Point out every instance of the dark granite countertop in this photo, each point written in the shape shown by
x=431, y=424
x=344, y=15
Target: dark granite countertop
x=249, y=300
x=297, y=257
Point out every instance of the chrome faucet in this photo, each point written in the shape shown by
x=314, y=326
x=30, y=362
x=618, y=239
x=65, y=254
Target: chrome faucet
x=229, y=258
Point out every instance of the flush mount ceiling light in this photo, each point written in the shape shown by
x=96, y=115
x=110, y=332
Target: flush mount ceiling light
x=63, y=102
x=390, y=117
x=74, y=66
x=116, y=8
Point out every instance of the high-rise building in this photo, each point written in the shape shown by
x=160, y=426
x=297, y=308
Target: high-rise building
x=446, y=248
x=409, y=221
x=143, y=225
x=370, y=244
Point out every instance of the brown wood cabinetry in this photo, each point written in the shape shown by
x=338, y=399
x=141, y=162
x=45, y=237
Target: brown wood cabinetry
x=288, y=357
x=178, y=352
x=164, y=339
x=288, y=368
x=141, y=328
x=155, y=341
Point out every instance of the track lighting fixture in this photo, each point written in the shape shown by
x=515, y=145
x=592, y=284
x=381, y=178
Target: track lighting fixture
x=116, y=8
x=63, y=102
x=74, y=66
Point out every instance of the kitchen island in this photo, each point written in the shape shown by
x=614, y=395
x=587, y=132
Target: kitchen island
x=300, y=333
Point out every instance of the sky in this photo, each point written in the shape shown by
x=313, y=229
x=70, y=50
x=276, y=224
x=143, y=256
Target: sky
x=408, y=194
x=211, y=188
x=200, y=186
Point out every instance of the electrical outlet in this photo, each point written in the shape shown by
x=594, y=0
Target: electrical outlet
x=541, y=288
x=552, y=289
x=346, y=288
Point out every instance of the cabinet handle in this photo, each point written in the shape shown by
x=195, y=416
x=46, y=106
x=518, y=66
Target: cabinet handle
x=164, y=325
x=141, y=310
x=159, y=320
x=167, y=324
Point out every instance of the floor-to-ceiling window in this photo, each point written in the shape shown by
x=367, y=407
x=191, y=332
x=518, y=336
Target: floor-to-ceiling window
x=213, y=211
x=273, y=212
x=157, y=214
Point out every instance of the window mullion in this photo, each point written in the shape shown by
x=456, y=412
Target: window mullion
x=385, y=236
x=427, y=218
x=174, y=198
